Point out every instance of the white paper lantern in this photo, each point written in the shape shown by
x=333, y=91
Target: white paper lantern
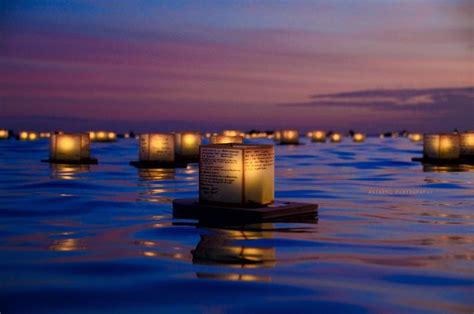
x=289, y=137
x=156, y=147
x=69, y=147
x=318, y=136
x=441, y=146
x=237, y=174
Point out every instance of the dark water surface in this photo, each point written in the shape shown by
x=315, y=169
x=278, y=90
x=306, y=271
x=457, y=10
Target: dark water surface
x=390, y=238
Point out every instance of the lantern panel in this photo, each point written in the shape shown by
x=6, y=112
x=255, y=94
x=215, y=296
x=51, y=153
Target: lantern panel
x=187, y=144
x=466, y=144
x=237, y=174
x=156, y=147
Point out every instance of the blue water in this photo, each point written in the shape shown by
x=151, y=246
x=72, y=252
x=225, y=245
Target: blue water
x=391, y=237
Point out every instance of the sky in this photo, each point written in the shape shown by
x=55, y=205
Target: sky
x=369, y=65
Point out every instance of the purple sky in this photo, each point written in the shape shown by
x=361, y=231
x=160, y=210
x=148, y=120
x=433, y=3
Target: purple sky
x=163, y=65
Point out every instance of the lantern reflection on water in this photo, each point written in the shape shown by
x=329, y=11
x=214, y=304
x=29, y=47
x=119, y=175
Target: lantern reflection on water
x=237, y=174
x=157, y=147
x=71, y=147
x=466, y=140
x=223, y=139
x=290, y=137
x=187, y=145
x=358, y=138
x=441, y=146
x=318, y=136
x=336, y=137
x=156, y=174
x=67, y=171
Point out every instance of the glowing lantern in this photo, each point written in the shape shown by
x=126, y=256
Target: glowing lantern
x=289, y=137
x=72, y=147
x=237, y=174
x=415, y=137
x=4, y=134
x=441, y=146
x=336, y=137
x=231, y=133
x=45, y=135
x=92, y=135
x=32, y=136
x=467, y=144
x=27, y=136
x=222, y=139
x=156, y=147
x=277, y=136
x=358, y=138
x=318, y=136
x=186, y=144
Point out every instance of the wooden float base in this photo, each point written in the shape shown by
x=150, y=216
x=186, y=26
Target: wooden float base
x=432, y=161
x=191, y=208
x=86, y=161
x=158, y=164
x=187, y=160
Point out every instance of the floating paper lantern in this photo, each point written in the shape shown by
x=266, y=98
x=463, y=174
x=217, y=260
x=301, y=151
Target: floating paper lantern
x=231, y=133
x=237, y=174
x=157, y=147
x=467, y=144
x=336, y=137
x=415, y=137
x=289, y=137
x=187, y=144
x=103, y=136
x=4, y=134
x=71, y=147
x=318, y=136
x=441, y=146
x=358, y=138
x=45, y=135
x=222, y=139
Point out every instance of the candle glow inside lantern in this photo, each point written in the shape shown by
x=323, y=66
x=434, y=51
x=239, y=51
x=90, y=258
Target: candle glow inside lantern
x=466, y=140
x=289, y=137
x=158, y=147
x=70, y=147
x=223, y=139
x=441, y=146
x=336, y=137
x=4, y=134
x=358, y=138
x=318, y=136
x=237, y=174
x=187, y=144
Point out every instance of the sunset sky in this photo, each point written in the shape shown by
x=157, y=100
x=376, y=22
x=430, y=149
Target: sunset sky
x=163, y=65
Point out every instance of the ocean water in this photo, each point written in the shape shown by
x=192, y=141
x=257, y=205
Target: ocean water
x=390, y=236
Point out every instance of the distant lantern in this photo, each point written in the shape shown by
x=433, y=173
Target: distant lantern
x=358, y=138
x=187, y=145
x=231, y=133
x=466, y=140
x=289, y=137
x=277, y=136
x=441, y=146
x=27, y=136
x=45, y=135
x=222, y=139
x=240, y=174
x=69, y=147
x=103, y=136
x=336, y=137
x=318, y=136
x=4, y=134
x=32, y=136
x=415, y=137
x=158, y=147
